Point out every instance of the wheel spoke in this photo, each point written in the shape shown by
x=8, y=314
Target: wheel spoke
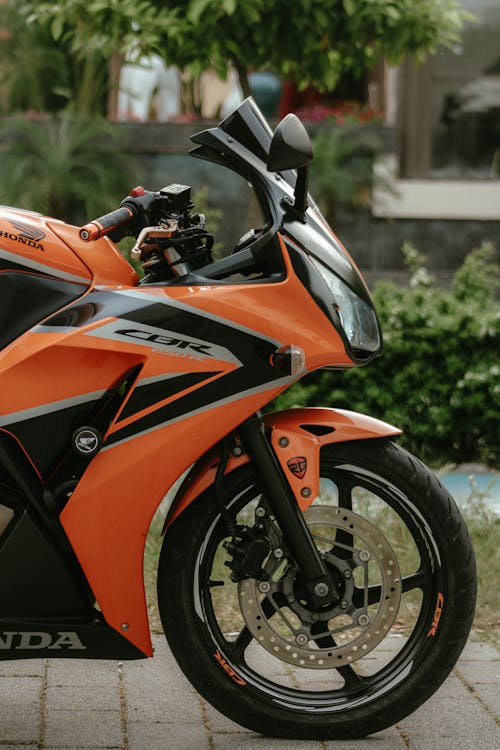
x=408, y=583
x=347, y=672
x=351, y=677
x=239, y=646
x=416, y=580
x=327, y=641
x=244, y=637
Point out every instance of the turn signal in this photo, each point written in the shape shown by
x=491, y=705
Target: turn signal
x=290, y=360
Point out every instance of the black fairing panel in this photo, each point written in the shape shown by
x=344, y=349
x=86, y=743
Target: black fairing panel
x=64, y=639
x=46, y=606
x=35, y=581
x=26, y=299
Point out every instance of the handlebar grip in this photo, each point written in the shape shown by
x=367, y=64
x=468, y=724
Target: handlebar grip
x=107, y=223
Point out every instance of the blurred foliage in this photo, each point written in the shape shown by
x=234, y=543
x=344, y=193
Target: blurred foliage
x=342, y=174
x=438, y=379
x=68, y=55
x=63, y=167
x=324, y=38
x=32, y=68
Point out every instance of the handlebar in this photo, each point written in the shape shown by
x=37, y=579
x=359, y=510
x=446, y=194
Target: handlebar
x=136, y=210
x=107, y=223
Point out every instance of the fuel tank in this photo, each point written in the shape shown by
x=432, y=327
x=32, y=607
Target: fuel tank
x=39, y=274
x=44, y=265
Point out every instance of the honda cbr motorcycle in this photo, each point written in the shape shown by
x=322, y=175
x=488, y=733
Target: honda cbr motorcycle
x=299, y=542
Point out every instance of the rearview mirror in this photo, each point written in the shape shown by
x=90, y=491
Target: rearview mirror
x=290, y=147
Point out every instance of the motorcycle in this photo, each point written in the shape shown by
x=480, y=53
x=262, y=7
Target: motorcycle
x=299, y=542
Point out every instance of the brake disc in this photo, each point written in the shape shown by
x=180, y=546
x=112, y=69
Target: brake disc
x=369, y=582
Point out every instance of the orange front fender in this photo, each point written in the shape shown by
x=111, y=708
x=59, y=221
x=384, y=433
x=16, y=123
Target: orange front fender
x=297, y=436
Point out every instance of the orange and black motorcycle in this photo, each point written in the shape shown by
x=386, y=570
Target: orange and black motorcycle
x=299, y=542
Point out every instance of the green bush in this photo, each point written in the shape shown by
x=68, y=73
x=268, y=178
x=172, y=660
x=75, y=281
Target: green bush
x=439, y=377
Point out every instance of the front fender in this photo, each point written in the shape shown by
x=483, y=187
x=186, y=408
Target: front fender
x=297, y=436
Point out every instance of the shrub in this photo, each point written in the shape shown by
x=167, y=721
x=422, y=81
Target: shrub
x=439, y=377
x=64, y=167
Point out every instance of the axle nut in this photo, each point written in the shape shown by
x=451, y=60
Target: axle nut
x=321, y=589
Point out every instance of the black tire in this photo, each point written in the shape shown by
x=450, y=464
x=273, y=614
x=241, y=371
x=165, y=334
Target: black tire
x=438, y=585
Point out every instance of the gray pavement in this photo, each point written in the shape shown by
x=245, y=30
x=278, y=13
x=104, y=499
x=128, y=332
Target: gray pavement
x=147, y=705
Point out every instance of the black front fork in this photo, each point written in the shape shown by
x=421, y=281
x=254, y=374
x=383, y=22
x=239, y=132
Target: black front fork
x=284, y=506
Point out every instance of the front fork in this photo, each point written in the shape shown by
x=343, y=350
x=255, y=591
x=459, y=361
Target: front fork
x=282, y=501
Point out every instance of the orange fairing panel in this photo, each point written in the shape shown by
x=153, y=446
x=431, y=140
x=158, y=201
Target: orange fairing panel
x=31, y=242
x=297, y=440
x=102, y=257
x=291, y=440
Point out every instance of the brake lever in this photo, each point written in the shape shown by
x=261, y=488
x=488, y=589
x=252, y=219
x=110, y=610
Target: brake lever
x=163, y=231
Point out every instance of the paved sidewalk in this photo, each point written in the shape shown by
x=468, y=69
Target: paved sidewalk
x=147, y=705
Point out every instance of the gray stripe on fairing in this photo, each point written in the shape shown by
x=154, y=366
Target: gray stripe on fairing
x=158, y=378
x=20, y=260
x=38, y=411
x=228, y=400
x=54, y=329
x=198, y=311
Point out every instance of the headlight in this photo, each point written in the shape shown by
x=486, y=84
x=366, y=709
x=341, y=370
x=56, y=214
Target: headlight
x=357, y=317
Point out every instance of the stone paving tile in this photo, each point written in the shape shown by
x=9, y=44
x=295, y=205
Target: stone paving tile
x=170, y=696
x=444, y=717
x=444, y=743
x=19, y=724
x=81, y=673
x=484, y=673
x=220, y=723
x=19, y=709
x=452, y=687
x=163, y=736
x=479, y=651
x=258, y=742
x=17, y=691
x=490, y=696
x=98, y=698
x=74, y=729
x=22, y=668
x=389, y=739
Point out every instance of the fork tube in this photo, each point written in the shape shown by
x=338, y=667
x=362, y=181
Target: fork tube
x=287, y=512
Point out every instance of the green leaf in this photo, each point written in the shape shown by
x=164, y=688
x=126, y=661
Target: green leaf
x=56, y=27
x=349, y=7
x=229, y=6
x=196, y=8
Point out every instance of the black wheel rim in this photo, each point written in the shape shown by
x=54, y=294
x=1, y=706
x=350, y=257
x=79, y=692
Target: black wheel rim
x=358, y=687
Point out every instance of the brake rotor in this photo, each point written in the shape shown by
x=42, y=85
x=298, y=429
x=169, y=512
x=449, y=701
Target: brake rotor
x=345, y=632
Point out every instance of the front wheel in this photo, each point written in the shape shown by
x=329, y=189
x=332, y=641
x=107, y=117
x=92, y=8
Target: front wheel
x=401, y=559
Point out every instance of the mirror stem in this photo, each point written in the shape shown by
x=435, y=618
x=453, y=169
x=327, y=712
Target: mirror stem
x=301, y=188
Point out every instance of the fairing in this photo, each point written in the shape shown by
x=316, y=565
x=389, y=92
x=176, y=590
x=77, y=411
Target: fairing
x=161, y=372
